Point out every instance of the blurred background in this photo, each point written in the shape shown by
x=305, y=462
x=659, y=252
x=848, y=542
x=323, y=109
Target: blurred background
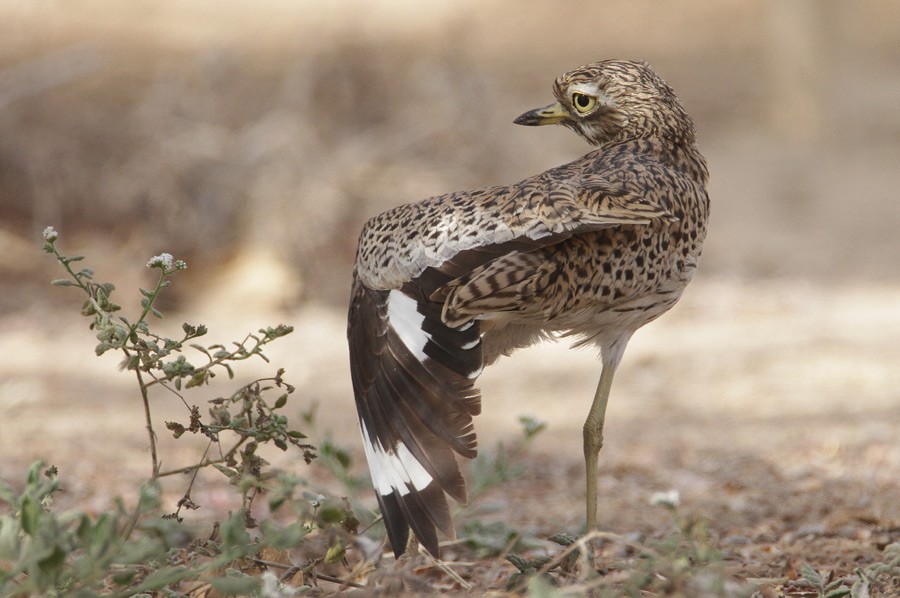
x=212, y=129
x=254, y=139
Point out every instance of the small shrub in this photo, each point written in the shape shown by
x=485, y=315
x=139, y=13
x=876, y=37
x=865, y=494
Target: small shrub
x=140, y=550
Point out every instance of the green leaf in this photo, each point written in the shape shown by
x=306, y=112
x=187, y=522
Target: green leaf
x=197, y=379
x=53, y=562
x=542, y=586
x=860, y=587
x=837, y=583
x=531, y=427
x=231, y=474
x=88, y=309
x=331, y=513
x=10, y=542
x=335, y=553
x=281, y=401
x=812, y=576
x=234, y=533
x=563, y=539
x=140, y=552
x=518, y=562
x=163, y=577
x=62, y=282
x=103, y=536
x=83, y=531
x=34, y=472
x=289, y=537
x=342, y=456
x=123, y=577
x=838, y=592
x=29, y=515
x=8, y=494
x=200, y=348
x=236, y=585
x=149, y=496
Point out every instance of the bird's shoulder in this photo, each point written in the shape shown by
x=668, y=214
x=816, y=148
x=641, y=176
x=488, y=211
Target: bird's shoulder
x=605, y=187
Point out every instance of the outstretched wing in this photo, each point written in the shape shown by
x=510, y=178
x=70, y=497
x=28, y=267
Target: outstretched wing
x=413, y=367
x=414, y=382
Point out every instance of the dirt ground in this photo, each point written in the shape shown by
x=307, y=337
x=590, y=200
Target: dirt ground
x=255, y=143
x=769, y=408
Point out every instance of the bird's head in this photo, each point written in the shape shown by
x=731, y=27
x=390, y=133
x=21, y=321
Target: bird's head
x=612, y=100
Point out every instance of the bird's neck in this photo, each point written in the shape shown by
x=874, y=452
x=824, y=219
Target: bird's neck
x=685, y=156
x=677, y=152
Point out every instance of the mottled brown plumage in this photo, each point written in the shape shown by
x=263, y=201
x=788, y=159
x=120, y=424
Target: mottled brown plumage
x=593, y=249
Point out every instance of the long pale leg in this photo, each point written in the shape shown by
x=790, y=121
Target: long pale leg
x=593, y=441
x=593, y=426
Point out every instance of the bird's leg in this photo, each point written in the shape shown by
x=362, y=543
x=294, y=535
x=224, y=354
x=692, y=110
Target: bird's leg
x=593, y=440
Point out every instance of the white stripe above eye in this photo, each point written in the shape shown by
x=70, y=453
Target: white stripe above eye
x=407, y=322
x=393, y=471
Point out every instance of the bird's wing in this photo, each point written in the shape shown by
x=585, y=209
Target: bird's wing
x=413, y=371
x=414, y=382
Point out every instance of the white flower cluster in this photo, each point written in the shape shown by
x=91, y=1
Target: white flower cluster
x=50, y=234
x=163, y=260
x=166, y=262
x=272, y=587
x=669, y=499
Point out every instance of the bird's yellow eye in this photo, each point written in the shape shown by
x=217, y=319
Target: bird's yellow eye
x=583, y=103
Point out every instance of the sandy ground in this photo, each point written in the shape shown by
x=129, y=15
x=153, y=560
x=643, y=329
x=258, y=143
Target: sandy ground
x=773, y=409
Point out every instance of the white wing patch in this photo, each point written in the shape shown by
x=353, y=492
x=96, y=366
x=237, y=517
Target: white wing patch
x=393, y=471
x=407, y=323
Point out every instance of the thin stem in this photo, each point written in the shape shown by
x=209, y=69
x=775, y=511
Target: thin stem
x=132, y=521
x=146, y=400
x=162, y=382
x=196, y=471
x=318, y=575
x=237, y=355
x=187, y=493
x=203, y=464
x=159, y=285
x=65, y=264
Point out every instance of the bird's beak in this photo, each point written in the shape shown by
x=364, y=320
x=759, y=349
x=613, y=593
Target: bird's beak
x=548, y=115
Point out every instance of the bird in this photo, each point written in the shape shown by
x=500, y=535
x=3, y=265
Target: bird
x=591, y=250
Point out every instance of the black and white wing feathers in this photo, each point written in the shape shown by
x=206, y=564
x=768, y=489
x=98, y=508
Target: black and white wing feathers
x=413, y=364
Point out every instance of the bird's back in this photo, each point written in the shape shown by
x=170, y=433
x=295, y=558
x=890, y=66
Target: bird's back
x=602, y=236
